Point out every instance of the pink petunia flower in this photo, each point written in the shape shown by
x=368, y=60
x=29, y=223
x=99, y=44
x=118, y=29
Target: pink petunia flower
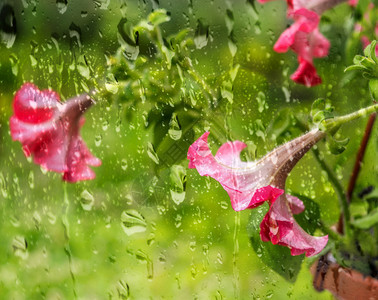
x=304, y=38
x=250, y=184
x=49, y=130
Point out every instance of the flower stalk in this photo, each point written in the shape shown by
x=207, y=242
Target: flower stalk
x=330, y=124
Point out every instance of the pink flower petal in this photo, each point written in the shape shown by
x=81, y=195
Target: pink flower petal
x=296, y=205
x=306, y=74
x=49, y=130
x=280, y=227
x=241, y=186
x=249, y=184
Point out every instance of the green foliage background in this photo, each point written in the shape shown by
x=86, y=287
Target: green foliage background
x=199, y=248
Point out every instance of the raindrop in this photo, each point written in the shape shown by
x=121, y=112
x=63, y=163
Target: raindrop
x=261, y=100
x=202, y=35
x=124, y=164
x=37, y=220
x=84, y=14
x=111, y=84
x=14, y=63
x=152, y=153
x=61, y=6
x=174, y=131
x=14, y=221
x=8, y=28
x=51, y=218
x=75, y=33
x=220, y=258
x=3, y=186
x=31, y=179
x=192, y=246
x=20, y=246
x=193, y=271
x=162, y=258
x=82, y=67
x=102, y=4
x=98, y=140
x=224, y=204
x=133, y=222
x=178, y=221
x=86, y=200
x=177, y=197
x=178, y=180
x=143, y=258
x=123, y=290
x=105, y=125
x=128, y=39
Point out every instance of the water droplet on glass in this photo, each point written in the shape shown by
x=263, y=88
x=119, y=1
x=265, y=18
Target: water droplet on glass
x=128, y=39
x=111, y=84
x=261, y=100
x=20, y=246
x=14, y=221
x=51, y=217
x=98, y=140
x=202, y=35
x=224, y=204
x=133, y=222
x=37, y=220
x=174, y=131
x=3, y=186
x=123, y=290
x=61, y=5
x=178, y=181
x=219, y=258
x=86, y=200
x=83, y=67
x=31, y=179
x=192, y=246
x=8, y=28
x=14, y=63
x=124, y=164
x=143, y=258
x=75, y=33
x=152, y=153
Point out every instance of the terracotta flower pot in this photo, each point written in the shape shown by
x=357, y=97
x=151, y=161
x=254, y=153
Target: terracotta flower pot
x=343, y=283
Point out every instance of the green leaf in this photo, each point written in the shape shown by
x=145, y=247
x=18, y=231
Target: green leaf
x=355, y=67
x=317, y=106
x=337, y=146
x=158, y=17
x=276, y=257
x=373, y=87
x=367, y=221
x=172, y=148
x=310, y=217
x=281, y=124
x=322, y=115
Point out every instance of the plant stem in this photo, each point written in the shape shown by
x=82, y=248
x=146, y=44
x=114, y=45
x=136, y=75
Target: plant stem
x=321, y=6
x=338, y=189
x=360, y=156
x=330, y=124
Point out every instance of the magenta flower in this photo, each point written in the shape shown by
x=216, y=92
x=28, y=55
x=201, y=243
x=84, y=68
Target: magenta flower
x=49, y=130
x=250, y=184
x=304, y=38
